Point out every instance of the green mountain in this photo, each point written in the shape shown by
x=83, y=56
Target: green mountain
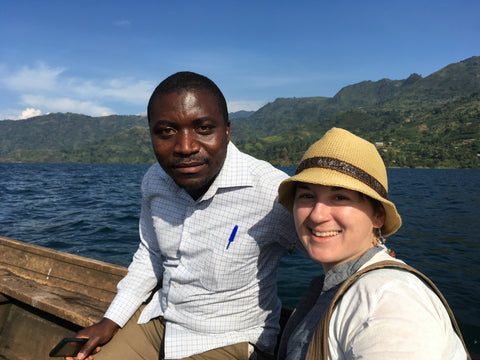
x=416, y=122
x=61, y=131
x=131, y=146
x=446, y=136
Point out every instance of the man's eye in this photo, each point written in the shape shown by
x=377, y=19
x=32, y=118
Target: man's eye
x=340, y=197
x=165, y=132
x=204, y=129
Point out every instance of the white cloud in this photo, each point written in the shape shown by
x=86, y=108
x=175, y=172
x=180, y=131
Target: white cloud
x=15, y=114
x=51, y=89
x=67, y=105
x=38, y=78
x=30, y=112
x=126, y=89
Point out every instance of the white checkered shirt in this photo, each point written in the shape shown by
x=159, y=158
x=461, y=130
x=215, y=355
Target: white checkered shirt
x=212, y=296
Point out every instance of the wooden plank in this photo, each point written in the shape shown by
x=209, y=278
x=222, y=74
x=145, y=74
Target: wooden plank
x=68, y=286
x=54, y=268
x=76, y=308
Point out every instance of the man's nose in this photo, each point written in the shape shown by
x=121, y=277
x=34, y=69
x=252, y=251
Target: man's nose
x=186, y=143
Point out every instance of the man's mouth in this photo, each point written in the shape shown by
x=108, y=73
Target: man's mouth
x=189, y=167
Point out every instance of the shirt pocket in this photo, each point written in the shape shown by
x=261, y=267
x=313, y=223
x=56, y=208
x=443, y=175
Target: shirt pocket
x=233, y=268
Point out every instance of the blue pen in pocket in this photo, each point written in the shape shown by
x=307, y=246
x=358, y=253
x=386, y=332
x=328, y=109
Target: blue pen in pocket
x=232, y=236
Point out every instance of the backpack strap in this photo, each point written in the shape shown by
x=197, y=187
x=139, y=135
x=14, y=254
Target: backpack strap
x=318, y=347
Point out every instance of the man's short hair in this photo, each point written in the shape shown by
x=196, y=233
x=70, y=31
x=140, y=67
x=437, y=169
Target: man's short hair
x=189, y=81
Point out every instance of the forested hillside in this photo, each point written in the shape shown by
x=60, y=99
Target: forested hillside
x=415, y=122
x=446, y=136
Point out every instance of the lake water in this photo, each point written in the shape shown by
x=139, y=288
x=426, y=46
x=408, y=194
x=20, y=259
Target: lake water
x=92, y=211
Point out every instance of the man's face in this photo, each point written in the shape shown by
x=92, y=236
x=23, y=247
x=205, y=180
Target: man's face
x=189, y=138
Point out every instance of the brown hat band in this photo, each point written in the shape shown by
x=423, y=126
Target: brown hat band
x=345, y=168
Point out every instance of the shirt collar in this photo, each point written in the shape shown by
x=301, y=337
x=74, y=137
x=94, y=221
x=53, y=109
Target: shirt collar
x=233, y=174
x=342, y=272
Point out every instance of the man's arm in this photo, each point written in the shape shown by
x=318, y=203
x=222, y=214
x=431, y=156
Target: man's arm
x=143, y=275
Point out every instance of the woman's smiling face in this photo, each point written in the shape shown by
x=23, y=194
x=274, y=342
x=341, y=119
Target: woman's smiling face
x=334, y=224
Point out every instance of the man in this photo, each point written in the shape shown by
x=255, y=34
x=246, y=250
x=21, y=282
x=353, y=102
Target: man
x=211, y=233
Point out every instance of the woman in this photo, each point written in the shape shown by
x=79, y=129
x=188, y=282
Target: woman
x=338, y=197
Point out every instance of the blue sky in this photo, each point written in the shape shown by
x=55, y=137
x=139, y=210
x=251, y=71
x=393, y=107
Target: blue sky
x=106, y=57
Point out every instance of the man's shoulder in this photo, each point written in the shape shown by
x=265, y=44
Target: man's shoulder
x=152, y=172
x=154, y=177
x=260, y=169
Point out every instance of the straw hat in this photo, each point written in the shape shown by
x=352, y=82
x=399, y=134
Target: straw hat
x=343, y=159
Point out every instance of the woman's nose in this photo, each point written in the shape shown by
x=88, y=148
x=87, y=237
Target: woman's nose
x=320, y=212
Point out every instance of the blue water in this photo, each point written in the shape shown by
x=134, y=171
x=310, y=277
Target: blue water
x=92, y=211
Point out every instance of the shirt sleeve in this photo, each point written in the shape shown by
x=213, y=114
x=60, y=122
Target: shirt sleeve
x=391, y=314
x=144, y=272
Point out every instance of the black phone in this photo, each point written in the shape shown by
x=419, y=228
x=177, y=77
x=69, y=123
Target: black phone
x=68, y=347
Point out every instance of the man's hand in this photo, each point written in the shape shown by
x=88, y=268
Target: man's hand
x=97, y=334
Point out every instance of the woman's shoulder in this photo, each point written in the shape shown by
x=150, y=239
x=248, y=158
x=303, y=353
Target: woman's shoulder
x=380, y=293
x=390, y=301
x=390, y=279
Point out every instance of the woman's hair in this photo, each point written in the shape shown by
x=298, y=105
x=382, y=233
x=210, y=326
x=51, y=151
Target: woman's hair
x=377, y=205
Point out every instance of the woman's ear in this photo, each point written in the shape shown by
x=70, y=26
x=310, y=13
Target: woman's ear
x=379, y=217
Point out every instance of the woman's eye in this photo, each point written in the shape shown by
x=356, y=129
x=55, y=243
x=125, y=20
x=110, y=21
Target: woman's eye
x=304, y=195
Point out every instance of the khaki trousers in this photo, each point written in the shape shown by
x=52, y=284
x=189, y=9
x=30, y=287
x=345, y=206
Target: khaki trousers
x=146, y=342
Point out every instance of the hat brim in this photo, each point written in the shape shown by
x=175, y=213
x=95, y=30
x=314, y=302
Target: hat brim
x=328, y=177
